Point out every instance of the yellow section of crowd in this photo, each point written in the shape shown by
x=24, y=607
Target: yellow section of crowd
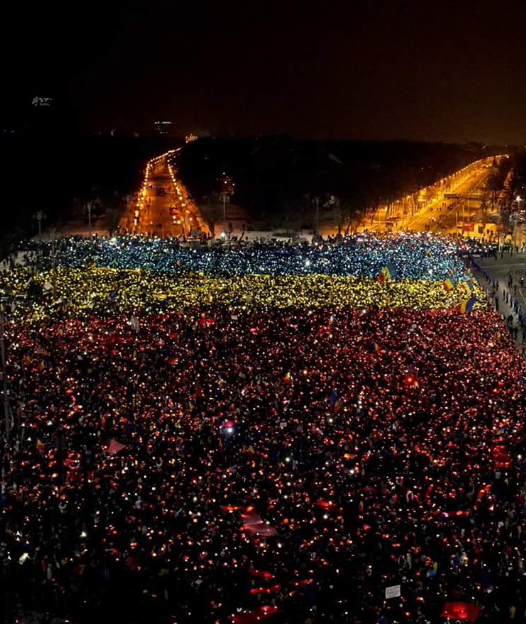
x=104, y=290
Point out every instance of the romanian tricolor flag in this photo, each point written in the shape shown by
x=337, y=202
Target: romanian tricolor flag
x=334, y=400
x=448, y=285
x=466, y=306
x=384, y=275
x=468, y=287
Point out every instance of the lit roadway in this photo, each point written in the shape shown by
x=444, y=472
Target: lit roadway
x=163, y=206
x=443, y=214
x=437, y=213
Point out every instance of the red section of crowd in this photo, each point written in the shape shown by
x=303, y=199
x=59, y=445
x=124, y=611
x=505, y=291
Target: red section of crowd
x=298, y=460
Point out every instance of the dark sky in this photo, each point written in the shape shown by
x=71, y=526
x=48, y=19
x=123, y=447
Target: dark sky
x=374, y=69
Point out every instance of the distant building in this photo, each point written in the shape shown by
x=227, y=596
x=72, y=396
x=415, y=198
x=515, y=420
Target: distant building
x=38, y=113
x=162, y=128
x=193, y=134
x=43, y=115
x=41, y=101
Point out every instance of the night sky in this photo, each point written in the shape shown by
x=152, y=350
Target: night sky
x=425, y=70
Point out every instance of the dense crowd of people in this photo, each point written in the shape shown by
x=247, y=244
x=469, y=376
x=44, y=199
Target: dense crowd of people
x=71, y=291
x=127, y=273
x=478, y=247
x=410, y=256
x=366, y=439
x=234, y=460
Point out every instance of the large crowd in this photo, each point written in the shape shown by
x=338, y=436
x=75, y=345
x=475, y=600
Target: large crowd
x=232, y=461
x=410, y=256
x=69, y=291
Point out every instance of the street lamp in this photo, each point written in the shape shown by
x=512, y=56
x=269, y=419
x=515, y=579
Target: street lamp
x=225, y=197
x=39, y=216
x=89, y=207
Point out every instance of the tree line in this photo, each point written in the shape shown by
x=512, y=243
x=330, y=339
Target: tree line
x=282, y=182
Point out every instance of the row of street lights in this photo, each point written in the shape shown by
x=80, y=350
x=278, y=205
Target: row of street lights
x=445, y=183
x=141, y=199
x=186, y=217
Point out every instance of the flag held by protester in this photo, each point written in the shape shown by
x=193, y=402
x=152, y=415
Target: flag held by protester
x=387, y=273
x=448, y=285
x=467, y=305
x=468, y=287
x=461, y=611
x=114, y=447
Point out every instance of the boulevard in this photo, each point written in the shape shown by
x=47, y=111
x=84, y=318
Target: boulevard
x=164, y=206
x=437, y=211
